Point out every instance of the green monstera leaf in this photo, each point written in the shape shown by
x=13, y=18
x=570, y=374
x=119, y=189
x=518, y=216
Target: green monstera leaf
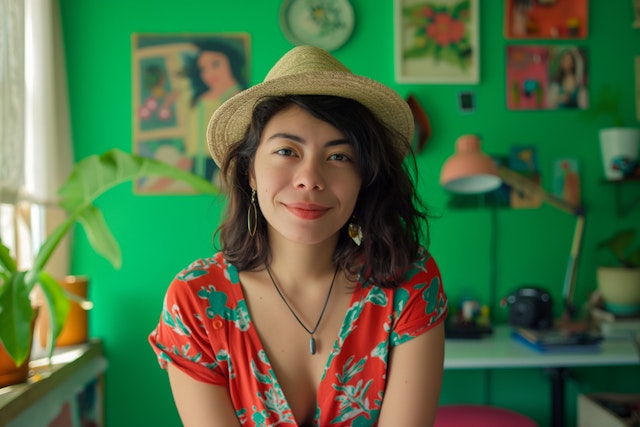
x=89, y=179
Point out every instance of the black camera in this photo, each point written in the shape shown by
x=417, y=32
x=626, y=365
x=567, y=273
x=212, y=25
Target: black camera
x=530, y=307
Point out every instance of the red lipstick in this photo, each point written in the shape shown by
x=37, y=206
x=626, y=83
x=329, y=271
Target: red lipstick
x=307, y=210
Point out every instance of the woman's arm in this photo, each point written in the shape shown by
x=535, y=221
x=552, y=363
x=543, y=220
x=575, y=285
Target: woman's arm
x=415, y=379
x=200, y=404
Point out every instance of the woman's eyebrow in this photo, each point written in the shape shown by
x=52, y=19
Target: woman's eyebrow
x=296, y=138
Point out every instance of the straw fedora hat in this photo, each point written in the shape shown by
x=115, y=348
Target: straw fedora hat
x=307, y=70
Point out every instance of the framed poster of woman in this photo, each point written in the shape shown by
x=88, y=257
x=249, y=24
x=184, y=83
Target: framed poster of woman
x=179, y=80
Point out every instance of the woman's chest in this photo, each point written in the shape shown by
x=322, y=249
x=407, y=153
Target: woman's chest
x=298, y=342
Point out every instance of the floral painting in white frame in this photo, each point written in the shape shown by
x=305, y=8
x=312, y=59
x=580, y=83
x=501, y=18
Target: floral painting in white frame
x=436, y=41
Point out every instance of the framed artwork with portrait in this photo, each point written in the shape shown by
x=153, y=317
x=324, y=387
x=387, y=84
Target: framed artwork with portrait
x=547, y=77
x=436, y=41
x=178, y=82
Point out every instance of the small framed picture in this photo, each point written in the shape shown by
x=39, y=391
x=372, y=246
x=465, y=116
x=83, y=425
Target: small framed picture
x=436, y=41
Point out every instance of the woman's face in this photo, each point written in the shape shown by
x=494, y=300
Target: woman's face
x=567, y=62
x=214, y=68
x=305, y=177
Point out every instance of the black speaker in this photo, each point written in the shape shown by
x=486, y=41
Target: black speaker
x=530, y=307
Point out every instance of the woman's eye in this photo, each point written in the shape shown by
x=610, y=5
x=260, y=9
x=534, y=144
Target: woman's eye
x=286, y=152
x=340, y=157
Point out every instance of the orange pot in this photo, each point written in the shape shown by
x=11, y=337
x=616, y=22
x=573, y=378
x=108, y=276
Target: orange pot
x=76, y=328
x=10, y=373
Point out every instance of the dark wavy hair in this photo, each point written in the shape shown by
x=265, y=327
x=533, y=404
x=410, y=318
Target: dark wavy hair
x=388, y=210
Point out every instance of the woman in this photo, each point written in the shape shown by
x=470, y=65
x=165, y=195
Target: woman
x=322, y=308
x=216, y=74
x=567, y=87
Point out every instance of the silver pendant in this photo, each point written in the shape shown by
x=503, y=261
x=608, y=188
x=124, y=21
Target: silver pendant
x=312, y=345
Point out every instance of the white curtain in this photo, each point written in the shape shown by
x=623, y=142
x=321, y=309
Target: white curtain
x=35, y=140
x=12, y=99
x=48, y=141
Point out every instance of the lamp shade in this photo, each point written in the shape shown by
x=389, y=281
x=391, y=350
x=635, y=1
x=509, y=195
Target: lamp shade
x=469, y=170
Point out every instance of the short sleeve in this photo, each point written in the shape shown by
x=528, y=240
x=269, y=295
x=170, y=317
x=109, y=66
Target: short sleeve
x=182, y=336
x=420, y=303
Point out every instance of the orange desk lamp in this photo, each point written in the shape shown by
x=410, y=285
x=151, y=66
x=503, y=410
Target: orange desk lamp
x=470, y=171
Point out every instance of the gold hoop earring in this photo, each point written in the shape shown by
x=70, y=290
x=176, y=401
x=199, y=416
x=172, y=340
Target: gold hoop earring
x=252, y=212
x=355, y=232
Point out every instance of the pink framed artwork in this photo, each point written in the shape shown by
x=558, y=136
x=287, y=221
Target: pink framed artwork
x=436, y=41
x=547, y=77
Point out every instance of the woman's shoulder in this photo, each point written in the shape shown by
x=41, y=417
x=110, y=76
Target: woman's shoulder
x=423, y=269
x=206, y=271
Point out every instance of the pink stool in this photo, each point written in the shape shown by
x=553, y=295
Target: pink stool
x=480, y=416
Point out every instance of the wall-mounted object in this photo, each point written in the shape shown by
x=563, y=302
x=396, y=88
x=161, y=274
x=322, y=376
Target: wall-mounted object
x=467, y=101
x=566, y=180
x=421, y=122
x=544, y=77
x=326, y=24
x=179, y=80
x=636, y=13
x=619, y=147
x=436, y=41
x=546, y=19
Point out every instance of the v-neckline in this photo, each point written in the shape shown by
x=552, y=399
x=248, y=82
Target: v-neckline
x=255, y=338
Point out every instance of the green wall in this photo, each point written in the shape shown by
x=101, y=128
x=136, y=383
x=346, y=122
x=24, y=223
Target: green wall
x=160, y=235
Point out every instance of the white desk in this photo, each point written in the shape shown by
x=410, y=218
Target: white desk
x=499, y=350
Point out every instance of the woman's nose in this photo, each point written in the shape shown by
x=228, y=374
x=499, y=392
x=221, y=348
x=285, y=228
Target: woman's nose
x=310, y=176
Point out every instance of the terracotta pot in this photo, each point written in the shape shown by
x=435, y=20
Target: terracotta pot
x=10, y=373
x=76, y=328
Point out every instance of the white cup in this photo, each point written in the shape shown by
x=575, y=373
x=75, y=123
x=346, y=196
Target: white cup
x=619, y=149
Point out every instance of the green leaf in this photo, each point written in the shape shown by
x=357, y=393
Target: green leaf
x=51, y=242
x=16, y=316
x=619, y=243
x=58, y=307
x=89, y=179
x=94, y=175
x=6, y=261
x=100, y=237
x=634, y=259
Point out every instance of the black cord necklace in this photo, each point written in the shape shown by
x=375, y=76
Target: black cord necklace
x=312, y=340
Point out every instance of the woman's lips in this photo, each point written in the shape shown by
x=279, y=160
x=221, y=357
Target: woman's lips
x=306, y=210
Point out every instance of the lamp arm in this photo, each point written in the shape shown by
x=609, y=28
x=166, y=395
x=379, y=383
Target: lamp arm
x=572, y=267
x=532, y=188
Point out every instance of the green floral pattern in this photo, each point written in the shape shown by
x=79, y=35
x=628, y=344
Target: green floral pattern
x=205, y=329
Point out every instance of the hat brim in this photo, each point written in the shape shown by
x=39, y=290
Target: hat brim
x=230, y=121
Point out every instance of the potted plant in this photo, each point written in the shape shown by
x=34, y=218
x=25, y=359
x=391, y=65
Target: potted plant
x=90, y=178
x=619, y=284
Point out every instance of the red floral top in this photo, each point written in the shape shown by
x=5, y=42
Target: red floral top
x=206, y=330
